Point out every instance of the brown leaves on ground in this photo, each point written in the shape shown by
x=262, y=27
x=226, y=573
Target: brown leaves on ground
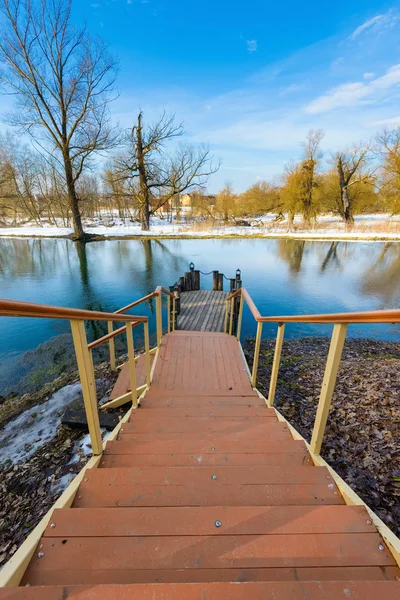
x=362, y=438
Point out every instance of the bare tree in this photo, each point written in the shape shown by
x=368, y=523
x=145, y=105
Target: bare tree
x=312, y=155
x=352, y=168
x=389, y=148
x=154, y=176
x=63, y=80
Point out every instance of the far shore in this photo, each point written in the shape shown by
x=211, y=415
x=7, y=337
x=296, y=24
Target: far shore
x=381, y=227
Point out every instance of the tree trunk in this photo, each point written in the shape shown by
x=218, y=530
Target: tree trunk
x=79, y=233
x=145, y=208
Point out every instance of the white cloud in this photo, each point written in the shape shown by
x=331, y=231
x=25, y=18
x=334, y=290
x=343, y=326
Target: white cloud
x=368, y=75
x=351, y=94
x=251, y=46
x=291, y=89
x=367, y=25
x=393, y=122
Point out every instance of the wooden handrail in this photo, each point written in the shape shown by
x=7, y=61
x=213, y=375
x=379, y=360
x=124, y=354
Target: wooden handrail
x=132, y=304
x=16, y=308
x=371, y=316
x=160, y=289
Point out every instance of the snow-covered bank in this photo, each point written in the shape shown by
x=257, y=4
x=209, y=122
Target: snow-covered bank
x=366, y=227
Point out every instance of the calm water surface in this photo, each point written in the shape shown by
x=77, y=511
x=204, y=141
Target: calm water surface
x=283, y=276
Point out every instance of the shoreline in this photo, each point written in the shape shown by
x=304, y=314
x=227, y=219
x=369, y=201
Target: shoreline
x=305, y=236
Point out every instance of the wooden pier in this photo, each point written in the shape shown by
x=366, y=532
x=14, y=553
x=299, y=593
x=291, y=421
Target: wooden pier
x=202, y=310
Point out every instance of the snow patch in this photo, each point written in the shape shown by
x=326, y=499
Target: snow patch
x=36, y=426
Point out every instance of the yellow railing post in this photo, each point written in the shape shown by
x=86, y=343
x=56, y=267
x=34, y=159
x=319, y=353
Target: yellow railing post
x=231, y=319
x=111, y=346
x=226, y=317
x=328, y=385
x=174, y=313
x=169, y=314
x=256, y=354
x=132, y=363
x=159, y=318
x=147, y=351
x=86, y=375
x=240, y=317
x=276, y=363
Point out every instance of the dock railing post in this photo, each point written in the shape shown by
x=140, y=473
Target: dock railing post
x=169, y=314
x=159, y=318
x=231, y=319
x=132, y=364
x=328, y=385
x=111, y=346
x=240, y=317
x=147, y=351
x=174, y=313
x=88, y=383
x=276, y=363
x=256, y=354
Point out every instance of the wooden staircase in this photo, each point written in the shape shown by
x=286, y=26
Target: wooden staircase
x=205, y=495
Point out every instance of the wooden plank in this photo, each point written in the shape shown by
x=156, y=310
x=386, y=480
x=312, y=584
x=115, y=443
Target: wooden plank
x=77, y=419
x=247, y=551
x=272, y=590
x=202, y=425
x=183, y=460
x=202, y=310
x=207, y=447
x=195, y=411
x=283, y=520
x=260, y=433
x=204, y=476
x=123, y=383
x=211, y=495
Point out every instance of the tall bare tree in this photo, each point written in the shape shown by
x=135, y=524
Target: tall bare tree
x=154, y=176
x=63, y=80
x=389, y=149
x=352, y=168
x=312, y=155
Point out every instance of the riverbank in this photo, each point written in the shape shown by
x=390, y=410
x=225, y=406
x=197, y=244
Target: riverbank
x=362, y=439
x=39, y=455
x=374, y=227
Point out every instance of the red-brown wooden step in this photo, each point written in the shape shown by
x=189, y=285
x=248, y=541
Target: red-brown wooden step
x=208, y=476
x=310, y=590
x=206, y=552
x=187, y=460
x=289, y=446
x=102, y=522
x=211, y=495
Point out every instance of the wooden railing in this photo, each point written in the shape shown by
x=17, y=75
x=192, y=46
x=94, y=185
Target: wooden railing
x=83, y=349
x=340, y=322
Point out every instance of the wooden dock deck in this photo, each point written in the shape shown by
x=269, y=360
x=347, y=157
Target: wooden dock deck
x=206, y=495
x=202, y=310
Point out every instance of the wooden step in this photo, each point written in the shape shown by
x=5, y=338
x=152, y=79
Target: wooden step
x=308, y=590
x=208, y=552
x=195, y=521
x=146, y=412
x=123, y=383
x=279, y=431
x=187, y=460
x=204, y=424
x=208, y=476
x=290, y=446
x=159, y=401
x=90, y=495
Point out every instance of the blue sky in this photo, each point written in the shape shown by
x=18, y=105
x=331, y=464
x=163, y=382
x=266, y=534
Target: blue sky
x=250, y=78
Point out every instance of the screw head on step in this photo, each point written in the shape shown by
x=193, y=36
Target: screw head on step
x=213, y=449
x=214, y=477
x=218, y=523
